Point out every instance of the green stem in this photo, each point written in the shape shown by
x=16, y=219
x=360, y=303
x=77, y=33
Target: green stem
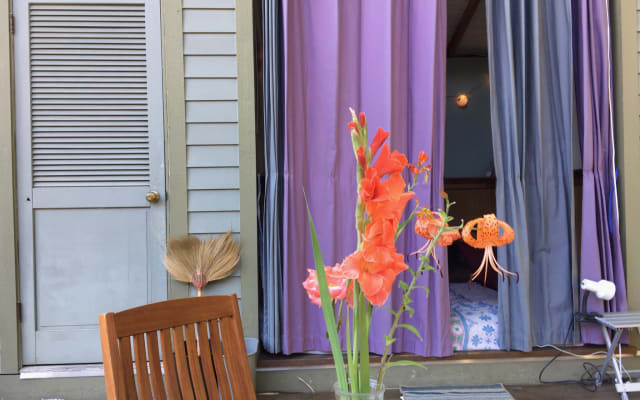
x=353, y=368
x=386, y=355
x=364, y=345
x=355, y=382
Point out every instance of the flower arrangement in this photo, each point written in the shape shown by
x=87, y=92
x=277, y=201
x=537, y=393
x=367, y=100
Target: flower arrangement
x=365, y=278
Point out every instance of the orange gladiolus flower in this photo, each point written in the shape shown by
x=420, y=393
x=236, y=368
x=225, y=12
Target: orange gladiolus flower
x=375, y=268
x=384, y=198
x=336, y=281
x=381, y=136
x=353, y=127
x=389, y=163
x=369, y=184
x=380, y=232
x=362, y=159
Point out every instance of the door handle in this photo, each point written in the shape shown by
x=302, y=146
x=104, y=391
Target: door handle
x=152, y=196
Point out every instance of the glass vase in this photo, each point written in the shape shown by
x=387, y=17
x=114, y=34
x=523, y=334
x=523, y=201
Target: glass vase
x=375, y=392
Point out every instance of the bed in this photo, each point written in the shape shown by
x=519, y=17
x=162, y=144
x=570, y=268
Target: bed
x=474, y=317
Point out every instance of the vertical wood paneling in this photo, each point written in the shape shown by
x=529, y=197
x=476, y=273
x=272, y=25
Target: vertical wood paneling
x=638, y=43
x=211, y=97
x=9, y=350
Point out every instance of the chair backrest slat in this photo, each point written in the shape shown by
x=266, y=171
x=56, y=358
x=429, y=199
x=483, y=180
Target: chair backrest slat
x=127, y=366
x=182, y=364
x=154, y=365
x=142, y=376
x=218, y=361
x=237, y=373
x=111, y=355
x=201, y=348
x=169, y=363
x=207, y=362
x=194, y=363
x=172, y=313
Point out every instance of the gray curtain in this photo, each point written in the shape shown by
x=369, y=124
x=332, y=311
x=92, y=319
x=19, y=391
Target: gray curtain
x=271, y=255
x=530, y=62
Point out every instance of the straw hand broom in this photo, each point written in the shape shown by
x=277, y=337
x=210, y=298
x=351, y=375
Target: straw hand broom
x=199, y=262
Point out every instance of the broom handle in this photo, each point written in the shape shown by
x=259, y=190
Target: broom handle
x=199, y=292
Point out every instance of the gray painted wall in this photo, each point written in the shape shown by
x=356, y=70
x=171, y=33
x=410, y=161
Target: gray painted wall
x=211, y=95
x=468, y=147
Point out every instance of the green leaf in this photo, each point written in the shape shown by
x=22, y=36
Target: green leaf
x=426, y=289
x=410, y=309
x=405, y=362
x=403, y=285
x=412, y=329
x=327, y=306
x=389, y=340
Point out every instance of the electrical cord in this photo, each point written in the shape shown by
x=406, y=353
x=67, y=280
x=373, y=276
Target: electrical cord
x=566, y=338
x=573, y=354
x=591, y=372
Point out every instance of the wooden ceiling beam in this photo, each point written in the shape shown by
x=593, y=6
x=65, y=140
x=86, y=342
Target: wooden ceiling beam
x=461, y=28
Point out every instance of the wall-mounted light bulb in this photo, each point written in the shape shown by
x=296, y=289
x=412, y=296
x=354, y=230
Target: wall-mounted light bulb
x=462, y=100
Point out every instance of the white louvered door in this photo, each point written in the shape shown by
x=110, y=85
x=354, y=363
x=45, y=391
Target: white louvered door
x=89, y=138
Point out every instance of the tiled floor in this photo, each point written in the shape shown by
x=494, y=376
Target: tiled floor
x=534, y=392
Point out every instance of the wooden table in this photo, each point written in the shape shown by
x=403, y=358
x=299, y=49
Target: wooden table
x=519, y=392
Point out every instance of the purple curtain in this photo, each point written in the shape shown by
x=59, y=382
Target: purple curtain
x=386, y=58
x=601, y=254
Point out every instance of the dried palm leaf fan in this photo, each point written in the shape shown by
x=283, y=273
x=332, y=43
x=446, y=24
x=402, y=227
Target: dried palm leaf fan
x=199, y=262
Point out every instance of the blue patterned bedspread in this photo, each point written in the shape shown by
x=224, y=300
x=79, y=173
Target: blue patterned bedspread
x=474, y=317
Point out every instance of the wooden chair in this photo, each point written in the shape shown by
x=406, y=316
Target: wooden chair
x=198, y=336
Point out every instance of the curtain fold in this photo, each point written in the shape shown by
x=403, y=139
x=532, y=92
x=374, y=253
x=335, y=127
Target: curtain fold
x=530, y=61
x=386, y=58
x=601, y=254
x=271, y=241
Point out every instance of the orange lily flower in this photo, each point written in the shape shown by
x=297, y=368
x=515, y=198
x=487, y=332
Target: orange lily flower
x=427, y=225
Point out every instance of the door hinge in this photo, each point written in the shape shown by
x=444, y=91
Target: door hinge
x=12, y=24
x=19, y=311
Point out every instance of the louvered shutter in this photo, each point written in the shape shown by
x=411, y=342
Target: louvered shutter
x=90, y=145
x=88, y=94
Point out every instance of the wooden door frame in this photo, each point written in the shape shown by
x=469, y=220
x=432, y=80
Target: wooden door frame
x=624, y=37
x=9, y=329
x=157, y=283
x=175, y=150
x=248, y=171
